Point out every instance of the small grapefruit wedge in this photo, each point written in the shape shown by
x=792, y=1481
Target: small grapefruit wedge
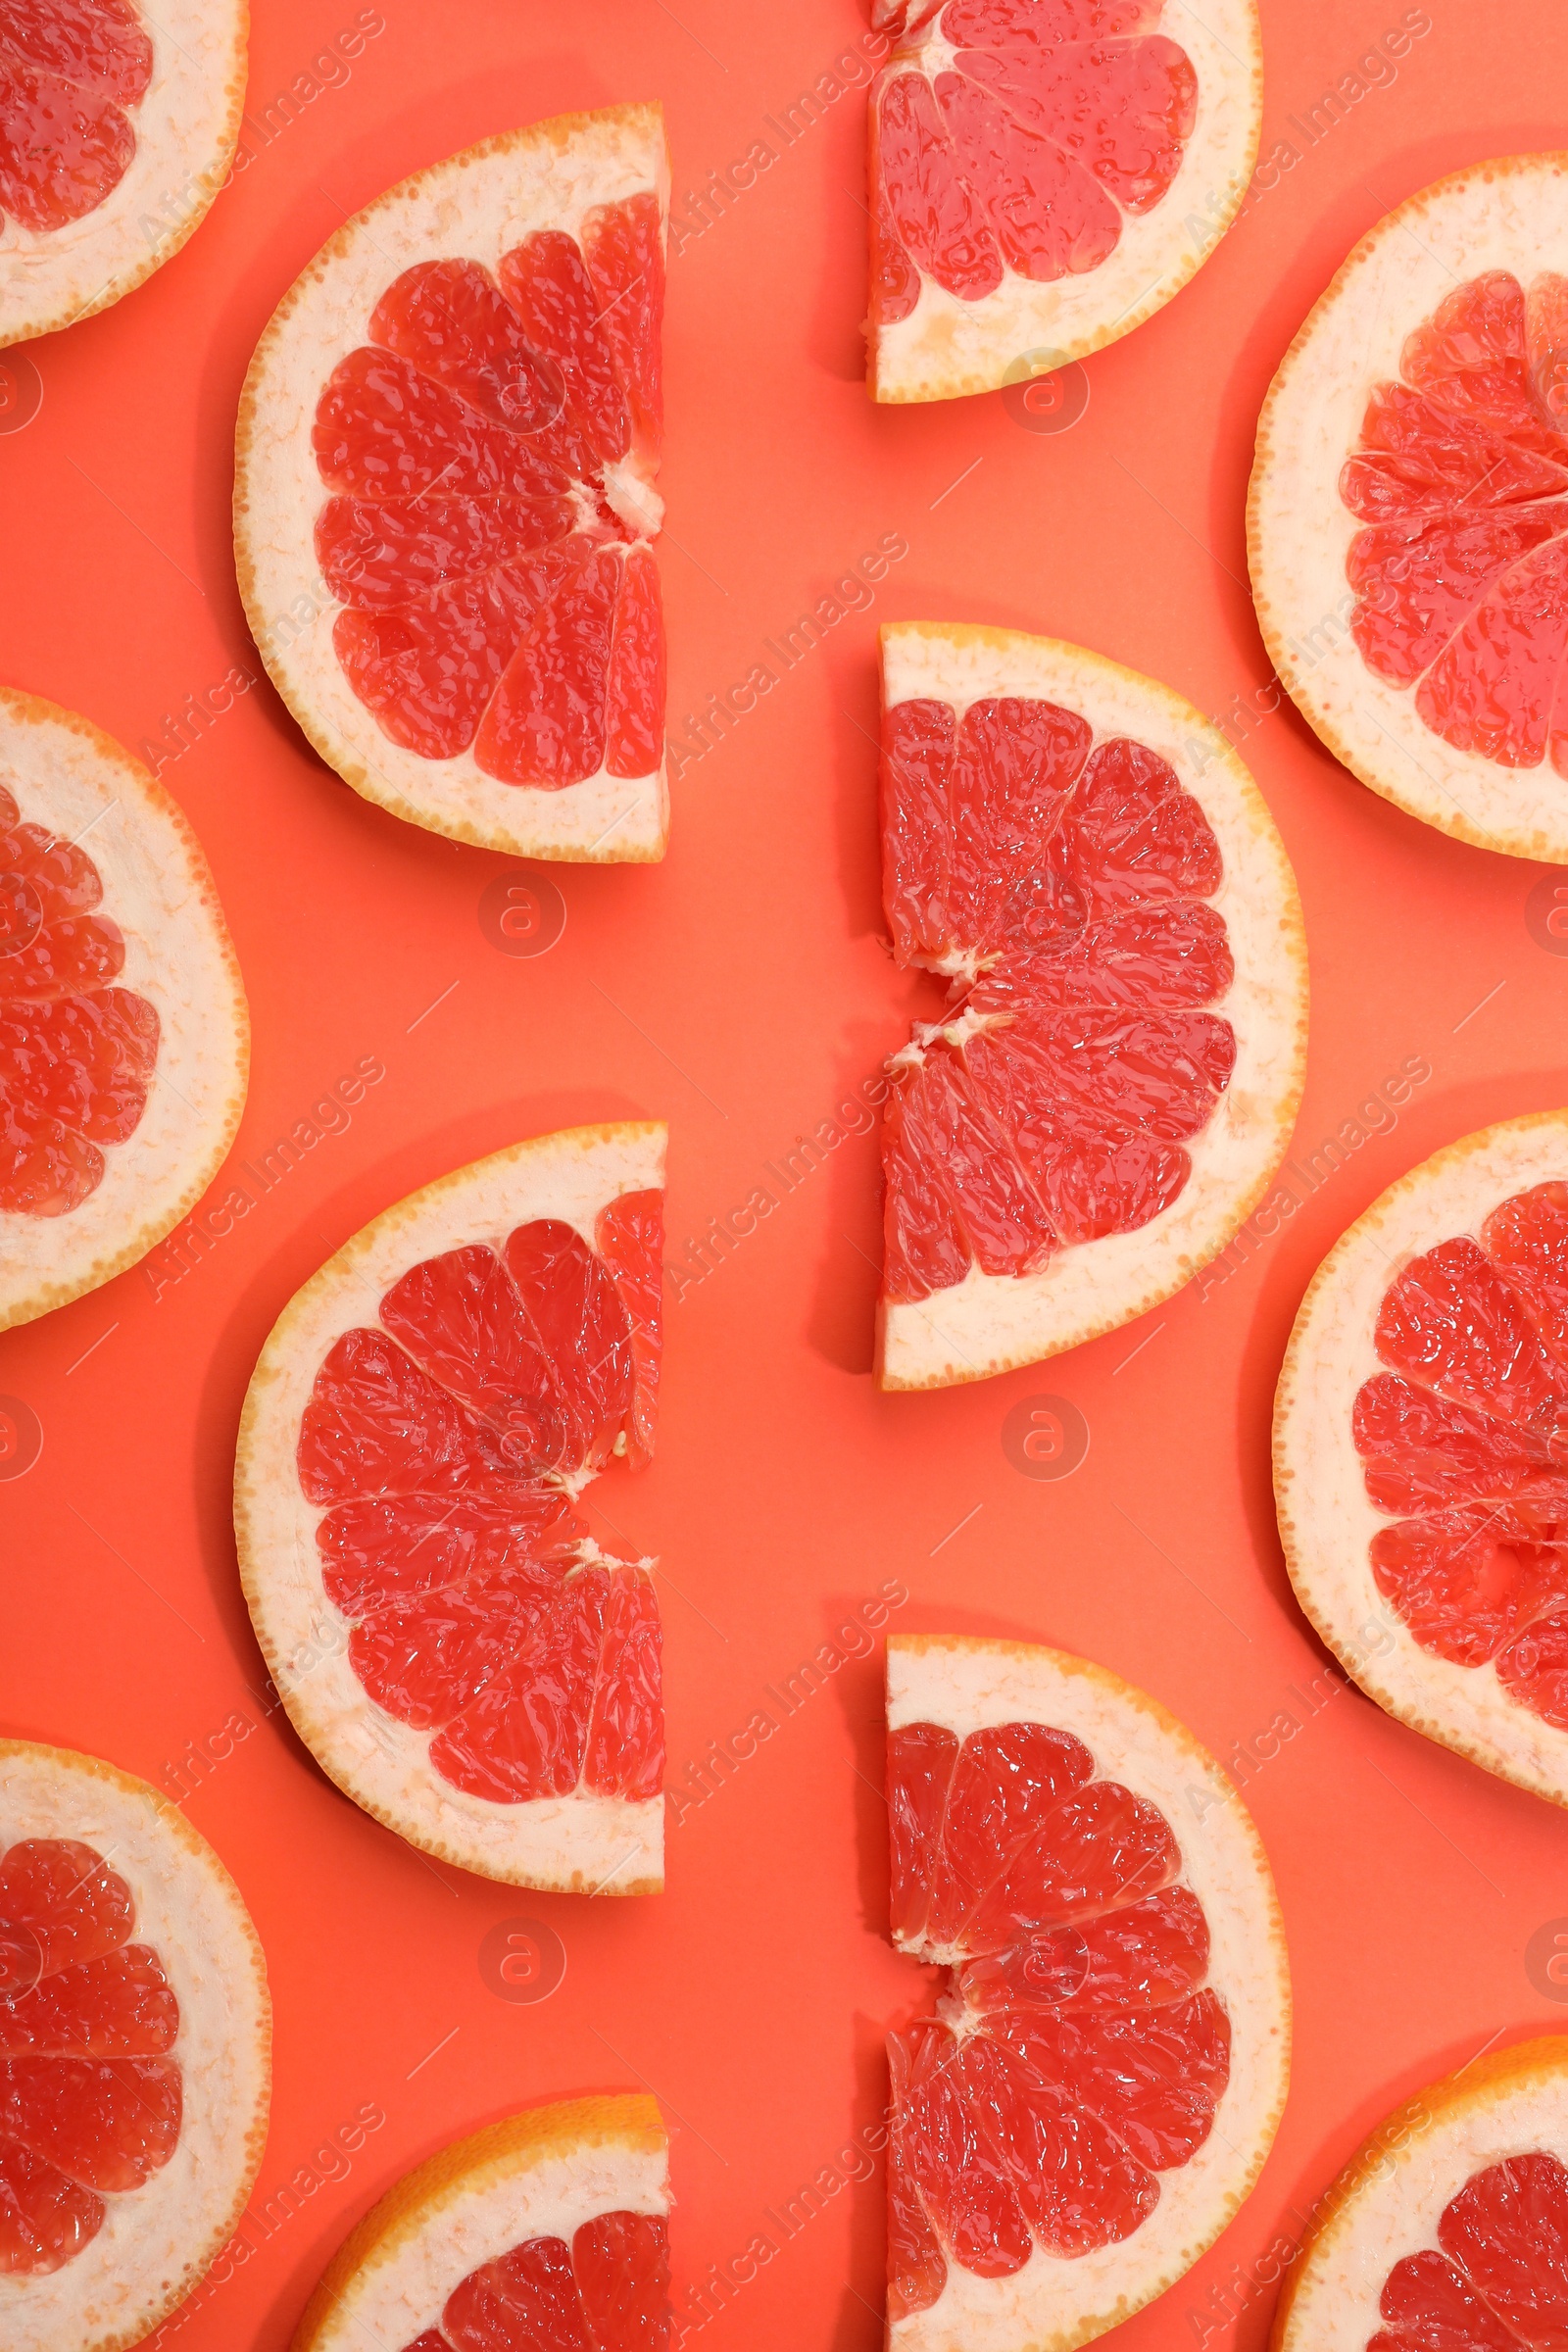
x=1101, y=2079
x=1421, y=1450
x=125, y=1040
x=117, y=125
x=1408, y=519
x=1046, y=175
x=1091, y=870
x=444, y=498
x=135, y=2054
x=457, y=1652
x=548, y=2230
x=1449, y=2231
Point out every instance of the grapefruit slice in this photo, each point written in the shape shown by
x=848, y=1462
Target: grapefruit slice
x=444, y=496
x=1408, y=520
x=1421, y=1450
x=453, y=1647
x=1102, y=2076
x=1091, y=868
x=134, y=2054
x=1449, y=2231
x=117, y=125
x=125, y=1040
x=548, y=2230
x=1046, y=175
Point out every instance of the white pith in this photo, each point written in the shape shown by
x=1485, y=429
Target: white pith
x=582, y=1842
x=1054, y=2304
x=948, y=346
x=476, y=205
x=1326, y=1518
x=988, y=1323
x=80, y=785
x=1510, y=215
x=186, y=127
x=156, y=2240
x=1408, y=2173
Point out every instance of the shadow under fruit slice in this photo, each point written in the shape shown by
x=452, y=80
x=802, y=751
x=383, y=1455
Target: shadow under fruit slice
x=134, y=2054
x=1421, y=1450
x=455, y=1648
x=1099, y=1107
x=445, y=494
x=549, y=2231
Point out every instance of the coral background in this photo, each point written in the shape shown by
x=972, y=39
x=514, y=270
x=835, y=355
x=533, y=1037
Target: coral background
x=743, y=989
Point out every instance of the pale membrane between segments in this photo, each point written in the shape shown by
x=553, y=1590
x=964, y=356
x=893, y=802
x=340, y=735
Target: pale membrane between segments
x=967, y=1687
x=468, y=209
x=1517, y=221
x=386, y=1763
x=152, y=2235
x=987, y=1321
x=1323, y=1482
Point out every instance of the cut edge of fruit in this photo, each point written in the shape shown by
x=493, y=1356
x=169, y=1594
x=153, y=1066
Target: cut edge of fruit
x=40, y=300
x=244, y=1989
x=992, y=1682
x=1379, y=2171
x=40, y=1288
x=581, y=1844
x=1290, y=624
x=1313, y=1453
x=617, y=2142
x=974, y=347
x=520, y=820
x=952, y=1337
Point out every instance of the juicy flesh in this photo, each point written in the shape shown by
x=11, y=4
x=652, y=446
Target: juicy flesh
x=1062, y=884
x=1461, y=481
x=90, y=2098
x=1017, y=136
x=1077, y=2053
x=490, y=454
x=1498, y=2278
x=443, y=1447
x=77, y=1055
x=71, y=73
x=607, y=2291
x=1464, y=1441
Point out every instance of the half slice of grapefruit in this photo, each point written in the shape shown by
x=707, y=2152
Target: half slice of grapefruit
x=451, y=1644
x=117, y=125
x=1408, y=519
x=1449, y=2231
x=1044, y=176
x=135, y=2054
x=550, y=2229
x=1421, y=1450
x=1087, y=864
x=1101, y=2079
x=125, y=1039
x=444, y=496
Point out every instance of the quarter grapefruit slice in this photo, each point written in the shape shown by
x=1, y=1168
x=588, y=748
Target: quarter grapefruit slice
x=444, y=496
x=548, y=2230
x=117, y=125
x=134, y=2054
x=1101, y=2079
x=451, y=1644
x=1449, y=2231
x=1421, y=1450
x=1044, y=176
x=125, y=1040
x=1408, y=519
x=1091, y=868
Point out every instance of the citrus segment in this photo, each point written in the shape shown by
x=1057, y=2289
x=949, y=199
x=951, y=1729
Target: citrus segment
x=486, y=433
x=1067, y=880
x=1094, y=2031
x=607, y=2292
x=71, y=73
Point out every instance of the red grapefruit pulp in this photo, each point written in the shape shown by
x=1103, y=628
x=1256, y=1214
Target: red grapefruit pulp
x=72, y=74
x=607, y=2292
x=1500, y=2278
